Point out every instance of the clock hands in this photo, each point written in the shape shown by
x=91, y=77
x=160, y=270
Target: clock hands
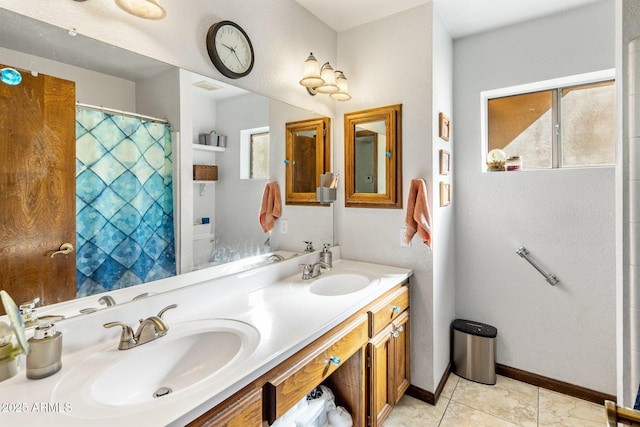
x=233, y=51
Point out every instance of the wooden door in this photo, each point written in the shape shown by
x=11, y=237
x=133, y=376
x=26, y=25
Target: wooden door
x=380, y=377
x=401, y=356
x=37, y=188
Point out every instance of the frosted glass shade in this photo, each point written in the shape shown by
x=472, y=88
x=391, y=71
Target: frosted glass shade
x=311, y=77
x=343, y=91
x=148, y=9
x=329, y=78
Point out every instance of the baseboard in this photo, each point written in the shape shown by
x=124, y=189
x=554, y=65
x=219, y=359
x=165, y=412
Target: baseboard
x=554, y=385
x=427, y=396
x=519, y=375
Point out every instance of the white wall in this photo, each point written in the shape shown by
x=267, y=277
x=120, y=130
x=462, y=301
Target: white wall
x=564, y=217
x=238, y=200
x=91, y=87
x=444, y=262
x=282, y=33
x=627, y=180
x=204, y=121
x=390, y=62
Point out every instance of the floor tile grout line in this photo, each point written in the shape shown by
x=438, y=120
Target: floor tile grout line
x=444, y=412
x=538, y=411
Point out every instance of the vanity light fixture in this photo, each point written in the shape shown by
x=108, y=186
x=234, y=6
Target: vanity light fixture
x=324, y=80
x=147, y=9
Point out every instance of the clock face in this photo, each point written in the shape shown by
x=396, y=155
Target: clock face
x=230, y=49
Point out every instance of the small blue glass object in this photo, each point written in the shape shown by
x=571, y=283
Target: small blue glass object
x=11, y=77
x=388, y=154
x=286, y=162
x=335, y=360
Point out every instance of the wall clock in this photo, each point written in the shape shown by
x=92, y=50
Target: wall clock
x=230, y=49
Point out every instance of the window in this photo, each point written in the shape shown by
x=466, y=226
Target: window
x=254, y=153
x=571, y=124
x=259, y=154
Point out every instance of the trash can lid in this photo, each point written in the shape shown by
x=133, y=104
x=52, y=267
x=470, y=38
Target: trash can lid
x=475, y=328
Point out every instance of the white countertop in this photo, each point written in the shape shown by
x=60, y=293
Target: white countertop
x=271, y=299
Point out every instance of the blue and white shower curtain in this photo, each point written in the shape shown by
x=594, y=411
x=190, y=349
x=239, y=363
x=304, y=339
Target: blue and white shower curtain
x=124, y=202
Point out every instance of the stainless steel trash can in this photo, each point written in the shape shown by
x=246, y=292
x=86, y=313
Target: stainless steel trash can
x=474, y=351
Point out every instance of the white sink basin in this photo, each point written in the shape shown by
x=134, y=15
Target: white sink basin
x=191, y=353
x=342, y=283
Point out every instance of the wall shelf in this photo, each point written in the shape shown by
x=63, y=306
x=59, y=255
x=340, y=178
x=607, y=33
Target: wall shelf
x=201, y=147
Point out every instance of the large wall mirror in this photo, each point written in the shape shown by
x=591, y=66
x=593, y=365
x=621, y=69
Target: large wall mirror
x=215, y=222
x=308, y=157
x=373, y=158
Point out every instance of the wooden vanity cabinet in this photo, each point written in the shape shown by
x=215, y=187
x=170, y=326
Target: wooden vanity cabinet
x=364, y=361
x=388, y=363
x=336, y=358
x=243, y=410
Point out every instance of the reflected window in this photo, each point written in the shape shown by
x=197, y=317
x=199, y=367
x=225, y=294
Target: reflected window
x=259, y=154
x=254, y=153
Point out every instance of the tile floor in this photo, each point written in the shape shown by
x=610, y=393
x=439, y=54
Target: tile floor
x=508, y=403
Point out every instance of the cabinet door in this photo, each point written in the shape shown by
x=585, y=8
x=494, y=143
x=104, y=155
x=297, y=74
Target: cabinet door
x=401, y=360
x=243, y=412
x=379, y=371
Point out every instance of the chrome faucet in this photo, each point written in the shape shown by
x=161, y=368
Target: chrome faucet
x=149, y=329
x=309, y=271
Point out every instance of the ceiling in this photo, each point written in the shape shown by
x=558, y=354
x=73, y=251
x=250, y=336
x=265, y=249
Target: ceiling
x=460, y=17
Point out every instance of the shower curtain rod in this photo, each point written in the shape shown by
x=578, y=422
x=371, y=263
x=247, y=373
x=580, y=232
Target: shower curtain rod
x=122, y=112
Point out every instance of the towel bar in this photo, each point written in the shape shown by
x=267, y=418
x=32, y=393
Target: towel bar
x=549, y=277
x=618, y=414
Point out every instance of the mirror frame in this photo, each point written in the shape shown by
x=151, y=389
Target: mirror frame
x=392, y=198
x=323, y=158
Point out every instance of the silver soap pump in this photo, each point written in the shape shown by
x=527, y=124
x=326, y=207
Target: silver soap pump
x=326, y=255
x=45, y=352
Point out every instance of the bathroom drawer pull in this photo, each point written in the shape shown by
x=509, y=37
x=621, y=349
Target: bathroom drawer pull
x=334, y=360
x=397, y=309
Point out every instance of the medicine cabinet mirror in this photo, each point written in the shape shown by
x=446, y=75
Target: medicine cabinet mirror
x=308, y=151
x=373, y=158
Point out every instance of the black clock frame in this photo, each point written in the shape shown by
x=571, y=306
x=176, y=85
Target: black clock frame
x=213, y=53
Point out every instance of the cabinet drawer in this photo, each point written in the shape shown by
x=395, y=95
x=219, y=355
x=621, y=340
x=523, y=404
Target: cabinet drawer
x=381, y=314
x=245, y=411
x=320, y=360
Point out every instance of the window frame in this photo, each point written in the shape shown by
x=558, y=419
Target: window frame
x=553, y=85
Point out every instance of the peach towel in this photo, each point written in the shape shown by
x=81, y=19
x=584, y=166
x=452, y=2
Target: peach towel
x=270, y=207
x=418, y=219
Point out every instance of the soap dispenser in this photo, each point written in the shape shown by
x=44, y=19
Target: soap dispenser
x=45, y=352
x=326, y=255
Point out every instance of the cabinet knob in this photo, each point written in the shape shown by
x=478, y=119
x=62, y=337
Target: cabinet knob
x=395, y=334
x=396, y=309
x=400, y=328
x=335, y=360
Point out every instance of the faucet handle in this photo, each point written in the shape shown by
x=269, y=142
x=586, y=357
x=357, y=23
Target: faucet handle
x=309, y=247
x=126, y=339
x=107, y=300
x=306, y=270
x=169, y=307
